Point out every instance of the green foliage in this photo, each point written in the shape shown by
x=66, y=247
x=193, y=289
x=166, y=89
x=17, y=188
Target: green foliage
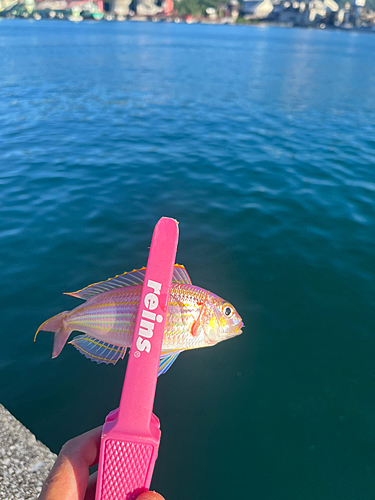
x=196, y=7
x=186, y=7
x=242, y=20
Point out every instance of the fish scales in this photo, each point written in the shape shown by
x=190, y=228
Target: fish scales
x=110, y=316
x=183, y=311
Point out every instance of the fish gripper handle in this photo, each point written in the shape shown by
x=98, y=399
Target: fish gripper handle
x=131, y=434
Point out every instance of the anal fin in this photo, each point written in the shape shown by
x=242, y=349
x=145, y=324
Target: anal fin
x=97, y=350
x=167, y=358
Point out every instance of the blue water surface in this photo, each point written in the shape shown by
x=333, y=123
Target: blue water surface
x=260, y=141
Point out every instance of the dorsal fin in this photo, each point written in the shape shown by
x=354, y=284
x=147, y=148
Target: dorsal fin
x=132, y=278
x=180, y=275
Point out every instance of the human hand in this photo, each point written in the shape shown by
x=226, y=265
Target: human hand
x=69, y=478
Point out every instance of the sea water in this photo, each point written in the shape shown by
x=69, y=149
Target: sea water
x=261, y=142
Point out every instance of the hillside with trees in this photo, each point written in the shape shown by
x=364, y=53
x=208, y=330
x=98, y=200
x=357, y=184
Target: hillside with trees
x=198, y=7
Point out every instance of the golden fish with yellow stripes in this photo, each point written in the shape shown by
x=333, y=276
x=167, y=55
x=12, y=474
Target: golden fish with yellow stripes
x=195, y=318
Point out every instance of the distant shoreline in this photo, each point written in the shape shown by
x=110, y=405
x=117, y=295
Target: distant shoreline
x=207, y=22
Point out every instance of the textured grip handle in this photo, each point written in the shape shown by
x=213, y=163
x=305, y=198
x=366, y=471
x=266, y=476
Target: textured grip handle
x=126, y=462
x=126, y=467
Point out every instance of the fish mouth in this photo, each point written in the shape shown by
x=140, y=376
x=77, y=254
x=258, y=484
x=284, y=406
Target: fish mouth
x=239, y=329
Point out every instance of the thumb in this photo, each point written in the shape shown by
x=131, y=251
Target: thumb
x=150, y=495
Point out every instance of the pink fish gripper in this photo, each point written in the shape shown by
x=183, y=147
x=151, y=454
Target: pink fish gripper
x=131, y=434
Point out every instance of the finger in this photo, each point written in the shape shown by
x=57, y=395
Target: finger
x=150, y=495
x=84, y=447
x=91, y=487
x=71, y=470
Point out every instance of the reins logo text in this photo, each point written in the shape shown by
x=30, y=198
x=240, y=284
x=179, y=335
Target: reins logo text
x=146, y=329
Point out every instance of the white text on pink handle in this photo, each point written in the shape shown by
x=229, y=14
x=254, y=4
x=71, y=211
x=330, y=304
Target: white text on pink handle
x=146, y=329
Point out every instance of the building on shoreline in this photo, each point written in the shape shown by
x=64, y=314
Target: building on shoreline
x=309, y=13
x=77, y=10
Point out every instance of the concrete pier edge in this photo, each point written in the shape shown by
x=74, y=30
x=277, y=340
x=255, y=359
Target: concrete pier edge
x=24, y=461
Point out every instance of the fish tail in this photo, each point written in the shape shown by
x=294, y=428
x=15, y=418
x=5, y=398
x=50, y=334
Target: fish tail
x=58, y=325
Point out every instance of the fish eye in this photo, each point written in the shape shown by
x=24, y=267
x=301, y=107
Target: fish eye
x=227, y=310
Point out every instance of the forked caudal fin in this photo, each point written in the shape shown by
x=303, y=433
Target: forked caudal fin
x=58, y=325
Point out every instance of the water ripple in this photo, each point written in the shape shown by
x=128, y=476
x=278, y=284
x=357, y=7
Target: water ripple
x=266, y=160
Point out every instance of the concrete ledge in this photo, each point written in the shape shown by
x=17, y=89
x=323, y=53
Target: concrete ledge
x=24, y=461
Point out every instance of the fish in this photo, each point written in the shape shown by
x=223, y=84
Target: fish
x=195, y=318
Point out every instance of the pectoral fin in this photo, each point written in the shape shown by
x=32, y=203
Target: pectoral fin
x=195, y=326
